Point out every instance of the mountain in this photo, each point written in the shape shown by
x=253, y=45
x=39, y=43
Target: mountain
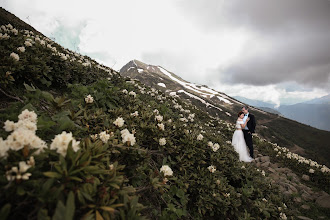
x=316, y=115
x=322, y=100
x=255, y=103
x=289, y=133
x=80, y=141
x=313, y=112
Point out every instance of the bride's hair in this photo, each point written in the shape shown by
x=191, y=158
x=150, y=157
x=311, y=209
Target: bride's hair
x=241, y=112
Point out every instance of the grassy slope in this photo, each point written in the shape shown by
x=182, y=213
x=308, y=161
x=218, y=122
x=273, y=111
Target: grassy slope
x=58, y=99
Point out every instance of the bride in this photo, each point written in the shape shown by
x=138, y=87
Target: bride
x=238, y=140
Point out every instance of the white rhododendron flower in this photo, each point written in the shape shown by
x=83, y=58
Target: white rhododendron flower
x=162, y=141
x=135, y=114
x=3, y=148
x=211, y=168
x=89, y=99
x=14, y=56
x=161, y=126
x=28, y=44
x=127, y=137
x=18, y=173
x=215, y=147
x=119, y=122
x=166, y=170
x=61, y=142
x=28, y=115
x=9, y=126
x=200, y=137
x=125, y=91
x=104, y=136
x=132, y=93
x=159, y=118
x=21, y=49
x=283, y=216
x=311, y=171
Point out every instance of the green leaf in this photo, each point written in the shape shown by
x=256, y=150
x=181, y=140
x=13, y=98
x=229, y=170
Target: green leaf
x=59, y=211
x=20, y=191
x=48, y=96
x=70, y=206
x=29, y=88
x=43, y=214
x=4, y=212
x=53, y=175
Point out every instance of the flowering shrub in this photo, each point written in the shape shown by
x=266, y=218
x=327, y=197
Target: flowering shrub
x=86, y=161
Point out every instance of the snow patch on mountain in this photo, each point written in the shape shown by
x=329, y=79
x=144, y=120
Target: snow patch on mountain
x=199, y=99
x=161, y=84
x=202, y=90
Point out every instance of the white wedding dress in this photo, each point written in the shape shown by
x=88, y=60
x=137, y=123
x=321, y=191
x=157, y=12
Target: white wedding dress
x=239, y=144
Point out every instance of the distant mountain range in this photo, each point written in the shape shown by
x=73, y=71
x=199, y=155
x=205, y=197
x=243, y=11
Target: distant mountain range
x=310, y=141
x=314, y=112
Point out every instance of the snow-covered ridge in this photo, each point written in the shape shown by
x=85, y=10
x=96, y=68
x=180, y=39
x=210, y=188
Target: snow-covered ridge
x=199, y=99
x=203, y=91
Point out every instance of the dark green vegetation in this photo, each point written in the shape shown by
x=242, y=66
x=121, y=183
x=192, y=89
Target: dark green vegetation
x=111, y=179
x=114, y=179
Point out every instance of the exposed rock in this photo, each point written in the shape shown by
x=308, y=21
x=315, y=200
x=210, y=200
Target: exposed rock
x=307, y=207
x=305, y=177
x=323, y=201
x=304, y=218
x=258, y=164
x=260, y=155
x=264, y=159
x=306, y=196
x=274, y=165
x=271, y=170
x=297, y=199
x=265, y=164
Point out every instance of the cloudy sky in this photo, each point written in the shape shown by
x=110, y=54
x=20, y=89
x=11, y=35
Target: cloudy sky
x=276, y=51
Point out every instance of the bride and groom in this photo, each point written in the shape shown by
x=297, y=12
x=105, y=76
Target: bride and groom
x=242, y=137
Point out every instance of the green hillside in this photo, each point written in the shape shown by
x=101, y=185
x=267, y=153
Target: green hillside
x=81, y=142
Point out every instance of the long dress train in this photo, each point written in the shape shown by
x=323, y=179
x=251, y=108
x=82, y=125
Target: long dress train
x=239, y=144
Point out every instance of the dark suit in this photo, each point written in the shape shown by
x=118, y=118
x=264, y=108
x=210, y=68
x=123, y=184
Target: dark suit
x=248, y=133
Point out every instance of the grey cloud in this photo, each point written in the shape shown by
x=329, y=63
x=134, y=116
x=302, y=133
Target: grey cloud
x=298, y=32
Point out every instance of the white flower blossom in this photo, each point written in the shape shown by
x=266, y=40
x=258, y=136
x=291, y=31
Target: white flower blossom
x=311, y=171
x=119, y=122
x=166, y=170
x=9, y=126
x=159, y=118
x=135, y=114
x=14, y=56
x=200, y=137
x=61, y=141
x=28, y=44
x=18, y=173
x=127, y=137
x=215, y=147
x=162, y=141
x=21, y=49
x=89, y=99
x=211, y=168
x=104, y=136
x=132, y=93
x=161, y=126
x=124, y=91
x=283, y=216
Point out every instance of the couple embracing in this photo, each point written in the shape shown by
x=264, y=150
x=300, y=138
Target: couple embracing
x=242, y=137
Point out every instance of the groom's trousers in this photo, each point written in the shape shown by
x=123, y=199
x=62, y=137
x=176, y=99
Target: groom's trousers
x=248, y=141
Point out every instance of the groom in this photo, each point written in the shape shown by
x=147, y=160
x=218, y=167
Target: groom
x=249, y=129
